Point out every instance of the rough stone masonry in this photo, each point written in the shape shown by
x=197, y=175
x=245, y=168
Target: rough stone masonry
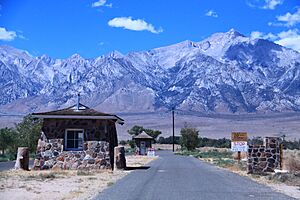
x=50, y=155
x=264, y=158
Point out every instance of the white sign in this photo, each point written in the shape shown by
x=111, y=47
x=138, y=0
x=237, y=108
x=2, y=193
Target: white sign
x=239, y=146
x=151, y=152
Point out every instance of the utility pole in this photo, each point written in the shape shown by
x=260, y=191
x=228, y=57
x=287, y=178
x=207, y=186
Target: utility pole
x=173, y=129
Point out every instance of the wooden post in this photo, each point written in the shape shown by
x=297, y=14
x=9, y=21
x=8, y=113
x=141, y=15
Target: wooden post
x=22, y=161
x=119, y=160
x=239, y=157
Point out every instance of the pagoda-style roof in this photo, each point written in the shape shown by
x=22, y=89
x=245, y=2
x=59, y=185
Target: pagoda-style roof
x=143, y=135
x=79, y=111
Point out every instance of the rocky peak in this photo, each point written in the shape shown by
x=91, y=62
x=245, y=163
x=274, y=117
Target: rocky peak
x=226, y=72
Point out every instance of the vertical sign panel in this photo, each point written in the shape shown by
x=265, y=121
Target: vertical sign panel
x=239, y=141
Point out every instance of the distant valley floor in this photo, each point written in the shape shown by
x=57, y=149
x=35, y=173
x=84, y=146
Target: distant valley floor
x=212, y=126
x=217, y=126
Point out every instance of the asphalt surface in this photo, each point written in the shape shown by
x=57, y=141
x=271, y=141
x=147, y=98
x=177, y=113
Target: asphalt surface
x=186, y=178
x=11, y=164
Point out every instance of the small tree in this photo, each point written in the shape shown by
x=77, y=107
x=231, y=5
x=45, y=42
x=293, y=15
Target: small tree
x=189, y=138
x=7, y=139
x=131, y=143
x=135, y=130
x=29, y=132
x=153, y=133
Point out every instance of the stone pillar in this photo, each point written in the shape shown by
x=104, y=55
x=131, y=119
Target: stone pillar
x=22, y=161
x=264, y=158
x=119, y=159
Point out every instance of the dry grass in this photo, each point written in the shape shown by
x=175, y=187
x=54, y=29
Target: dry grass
x=137, y=161
x=288, y=184
x=166, y=146
x=291, y=161
x=66, y=184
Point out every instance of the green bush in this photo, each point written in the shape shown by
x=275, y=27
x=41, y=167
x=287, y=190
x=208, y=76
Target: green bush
x=123, y=142
x=219, y=143
x=189, y=138
x=168, y=140
x=131, y=143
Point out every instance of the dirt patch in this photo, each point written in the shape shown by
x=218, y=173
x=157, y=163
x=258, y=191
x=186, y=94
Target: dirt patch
x=64, y=185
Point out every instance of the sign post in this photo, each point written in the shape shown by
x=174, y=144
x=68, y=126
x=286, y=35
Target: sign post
x=173, y=120
x=239, y=143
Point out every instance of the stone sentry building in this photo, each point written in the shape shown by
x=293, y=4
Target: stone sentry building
x=77, y=137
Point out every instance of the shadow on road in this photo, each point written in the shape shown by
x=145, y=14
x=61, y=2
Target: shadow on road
x=135, y=168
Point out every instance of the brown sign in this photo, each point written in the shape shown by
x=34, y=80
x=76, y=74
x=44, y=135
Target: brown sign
x=239, y=136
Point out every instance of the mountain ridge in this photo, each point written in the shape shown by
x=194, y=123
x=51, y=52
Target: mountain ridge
x=224, y=73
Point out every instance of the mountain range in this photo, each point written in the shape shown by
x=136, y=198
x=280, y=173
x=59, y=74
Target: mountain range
x=225, y=73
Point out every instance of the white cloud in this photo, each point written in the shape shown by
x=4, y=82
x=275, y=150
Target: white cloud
x=290, y=38
x=271, y=4
x=264, y=4
x=101, y=3
x=133, y=24
x=7, y=35
x=290, y=19
x=211, y=13
x=257, y=34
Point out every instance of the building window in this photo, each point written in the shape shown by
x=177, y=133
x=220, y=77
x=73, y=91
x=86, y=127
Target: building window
x=74, y=139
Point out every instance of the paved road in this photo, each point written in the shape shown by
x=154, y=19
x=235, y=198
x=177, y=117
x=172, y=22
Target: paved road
x=172, y=177
x=11, y=164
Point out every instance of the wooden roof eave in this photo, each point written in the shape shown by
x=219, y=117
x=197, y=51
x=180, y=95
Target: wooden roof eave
x=117, y=119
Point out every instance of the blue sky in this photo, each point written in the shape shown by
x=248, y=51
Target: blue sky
x=61, y=28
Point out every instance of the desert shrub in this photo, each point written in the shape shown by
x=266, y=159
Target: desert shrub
x=216, y=154
x=256, y=141
x=44, y=176
x=224, y=162
x=84, y=173
x=218, y=143
x=168, y=140
x=291, y=144
x=123, y=142
x=131, y=143
x=110, y=184
x=207, y=154
x=189, y=138
x=129, y=151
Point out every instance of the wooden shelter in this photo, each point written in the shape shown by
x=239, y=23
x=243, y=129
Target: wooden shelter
x=143, y=141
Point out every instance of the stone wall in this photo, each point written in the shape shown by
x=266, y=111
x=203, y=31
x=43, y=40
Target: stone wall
x=94, y=130
x=266, y=157
x=50, y=155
